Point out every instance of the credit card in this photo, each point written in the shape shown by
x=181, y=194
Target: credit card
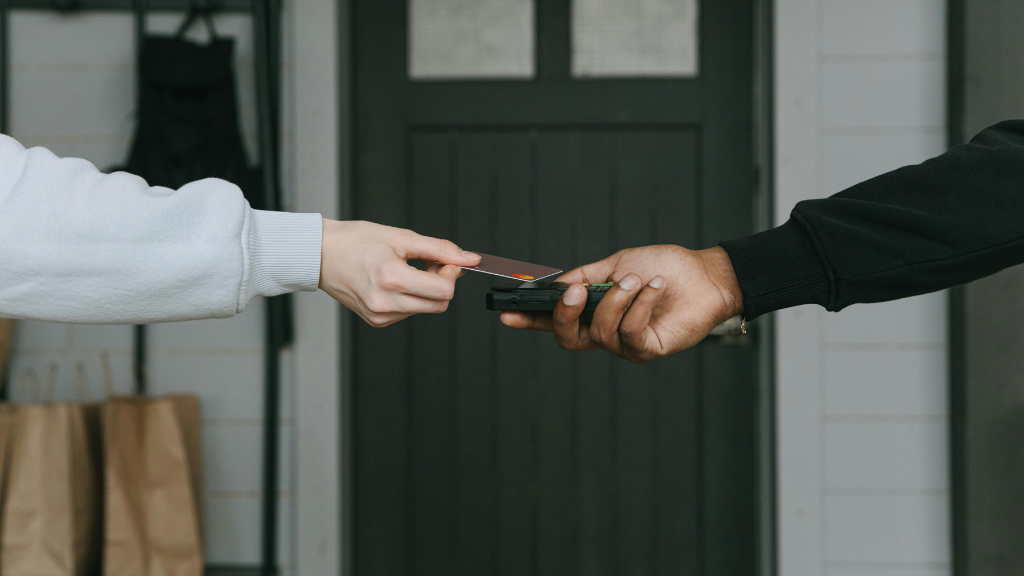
x=514, y=269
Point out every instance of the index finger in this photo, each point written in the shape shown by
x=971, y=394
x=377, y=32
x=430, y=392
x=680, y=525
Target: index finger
x=413, y=246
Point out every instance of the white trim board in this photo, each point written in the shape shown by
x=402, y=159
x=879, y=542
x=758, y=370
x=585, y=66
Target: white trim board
x=318, y=152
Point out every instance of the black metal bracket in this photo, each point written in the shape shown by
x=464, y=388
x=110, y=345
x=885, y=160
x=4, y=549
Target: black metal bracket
x=278, y=324
x=956, y=108
x=5, y=57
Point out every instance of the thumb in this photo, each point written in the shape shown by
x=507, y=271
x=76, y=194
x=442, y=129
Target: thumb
x=417, y=247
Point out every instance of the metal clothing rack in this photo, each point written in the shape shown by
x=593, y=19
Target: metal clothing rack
x=278, y=326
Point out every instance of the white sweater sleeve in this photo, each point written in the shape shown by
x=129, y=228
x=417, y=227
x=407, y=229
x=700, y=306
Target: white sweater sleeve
x=80, y=246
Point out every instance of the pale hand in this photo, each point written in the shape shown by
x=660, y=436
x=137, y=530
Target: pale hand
x=365, y=267
x=665, y=299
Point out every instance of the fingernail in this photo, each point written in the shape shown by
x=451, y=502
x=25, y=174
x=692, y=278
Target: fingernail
x=573, y=296
x=658, y=282
x=629, y=282
x=470, y=255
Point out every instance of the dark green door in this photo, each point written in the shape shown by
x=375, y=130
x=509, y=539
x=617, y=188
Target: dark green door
x=482, y=450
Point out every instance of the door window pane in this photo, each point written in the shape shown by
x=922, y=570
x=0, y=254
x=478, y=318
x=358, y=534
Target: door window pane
x=453, y=39
x=634, y=38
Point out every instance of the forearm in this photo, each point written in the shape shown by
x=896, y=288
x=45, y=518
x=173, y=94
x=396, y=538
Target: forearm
x=948, y=221
x=80, y=246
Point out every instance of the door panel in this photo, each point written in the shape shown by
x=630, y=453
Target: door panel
x=484, y=450
x=530, y=193
x=595, y=102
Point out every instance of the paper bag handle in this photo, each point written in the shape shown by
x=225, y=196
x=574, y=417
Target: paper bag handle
x=52, y=377
x=28, y=378
x=81, y=382
x=108, y=374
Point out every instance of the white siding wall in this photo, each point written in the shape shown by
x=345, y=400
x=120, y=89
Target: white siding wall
x=72, y=90
x=862, y=426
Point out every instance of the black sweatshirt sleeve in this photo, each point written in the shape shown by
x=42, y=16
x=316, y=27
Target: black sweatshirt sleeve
x=948, y=221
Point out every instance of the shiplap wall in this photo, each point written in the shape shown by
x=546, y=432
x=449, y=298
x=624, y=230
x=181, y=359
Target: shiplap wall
x=861, y=406
x=72, y=90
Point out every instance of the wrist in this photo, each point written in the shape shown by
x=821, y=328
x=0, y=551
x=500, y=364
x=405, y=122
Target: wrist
x=719, y=270
x=327, y=240
x=340, y=244
x=780, y=268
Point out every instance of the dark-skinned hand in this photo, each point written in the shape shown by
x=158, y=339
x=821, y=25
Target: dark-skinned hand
x=665, y=299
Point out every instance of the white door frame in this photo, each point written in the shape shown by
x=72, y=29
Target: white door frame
x=319, y=83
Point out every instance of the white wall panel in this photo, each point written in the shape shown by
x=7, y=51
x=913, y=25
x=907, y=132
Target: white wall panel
x=850, y=158
x=884, y=95
x=861, y=402
x=243, y=330
x=884, y=381
x=888, y=530
x=798, y=394
x=908, y=321
x=871, y=570
x=901, y=453
x=883, y=27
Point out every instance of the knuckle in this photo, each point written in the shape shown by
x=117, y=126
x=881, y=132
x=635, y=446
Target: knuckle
x=448, y=293
x=635, y=355
x=448, y=246
x=404, y=238
x=601, y=335
x=563, y=343
x=388, y=279
x=377, y=305
x=630, y=329
x=560, y=328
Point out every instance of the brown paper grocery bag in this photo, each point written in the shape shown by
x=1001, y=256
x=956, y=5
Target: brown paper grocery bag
x=153, y=487
x=6, y=341
x=8, y=413
x=51, y=523
x=6, y=410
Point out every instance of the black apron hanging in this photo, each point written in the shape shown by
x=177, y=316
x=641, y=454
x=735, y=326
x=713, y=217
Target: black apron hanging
x=188, y=118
